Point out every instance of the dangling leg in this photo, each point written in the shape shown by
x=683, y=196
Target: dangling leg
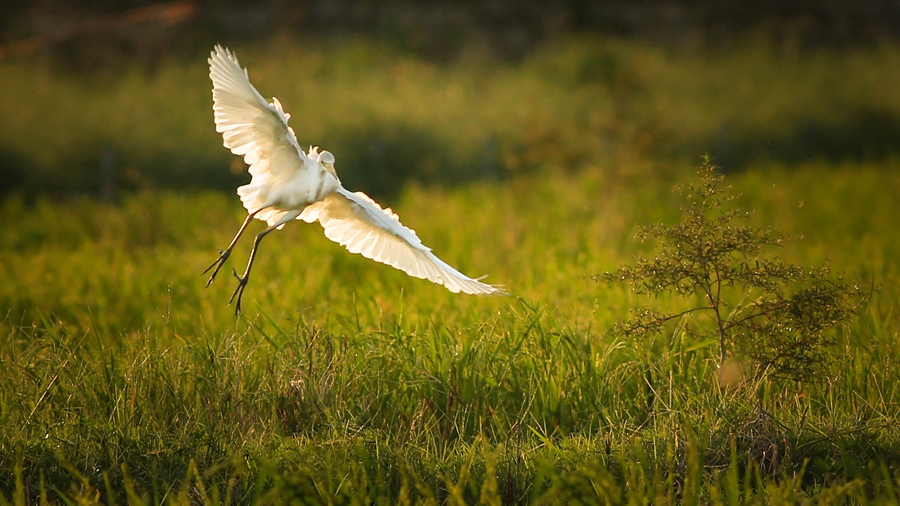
x=223, y=255
x=242, y=280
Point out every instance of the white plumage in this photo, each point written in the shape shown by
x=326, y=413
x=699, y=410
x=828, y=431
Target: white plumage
x=289, y=184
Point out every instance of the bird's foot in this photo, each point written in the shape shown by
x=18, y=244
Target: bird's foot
x=239, y=291
x=223, y=256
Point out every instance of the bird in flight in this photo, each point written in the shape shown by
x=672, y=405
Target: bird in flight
x=289, y=184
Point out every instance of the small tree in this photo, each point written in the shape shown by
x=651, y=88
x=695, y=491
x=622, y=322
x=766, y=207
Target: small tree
x=780, y=313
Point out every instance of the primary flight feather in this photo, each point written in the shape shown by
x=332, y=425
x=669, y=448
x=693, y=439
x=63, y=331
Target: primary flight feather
x=289, y=184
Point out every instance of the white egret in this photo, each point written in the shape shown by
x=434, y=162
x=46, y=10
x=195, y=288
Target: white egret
x=289, y=184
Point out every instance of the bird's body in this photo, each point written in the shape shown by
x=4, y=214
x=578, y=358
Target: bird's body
x=290, y=190
x=289, y=184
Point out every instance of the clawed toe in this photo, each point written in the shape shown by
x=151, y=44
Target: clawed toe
x=223, y=256
x=238, y=291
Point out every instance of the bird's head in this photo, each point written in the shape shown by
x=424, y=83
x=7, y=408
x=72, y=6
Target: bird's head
x=326, y=158
x=323, y=158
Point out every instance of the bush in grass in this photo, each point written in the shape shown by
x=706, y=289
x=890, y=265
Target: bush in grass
x=779, y=315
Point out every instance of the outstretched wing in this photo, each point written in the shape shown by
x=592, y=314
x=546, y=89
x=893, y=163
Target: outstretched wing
x=250, y=126
x=358, y=223
x=254, y=129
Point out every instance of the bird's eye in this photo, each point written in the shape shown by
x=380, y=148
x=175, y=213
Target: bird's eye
x=326, y=157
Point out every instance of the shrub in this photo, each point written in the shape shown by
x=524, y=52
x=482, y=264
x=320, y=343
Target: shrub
x=779, y=315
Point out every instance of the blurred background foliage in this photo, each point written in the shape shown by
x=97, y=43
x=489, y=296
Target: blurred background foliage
x=107, y=96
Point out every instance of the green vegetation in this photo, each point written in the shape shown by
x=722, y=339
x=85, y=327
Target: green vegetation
x=780, y=314
x=123, y=381
x=121, y=376
x=391, y=117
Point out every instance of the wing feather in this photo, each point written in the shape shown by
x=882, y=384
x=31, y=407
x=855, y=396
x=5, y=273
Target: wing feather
x=378, y=251
x=250, y=126
x=358, y=223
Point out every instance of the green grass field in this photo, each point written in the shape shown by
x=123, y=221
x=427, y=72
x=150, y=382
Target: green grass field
x=123, y=380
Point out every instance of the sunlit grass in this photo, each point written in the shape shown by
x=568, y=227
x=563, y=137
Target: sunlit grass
x=121, y=375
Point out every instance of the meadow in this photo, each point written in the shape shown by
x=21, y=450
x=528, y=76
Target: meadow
x=123, y=380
